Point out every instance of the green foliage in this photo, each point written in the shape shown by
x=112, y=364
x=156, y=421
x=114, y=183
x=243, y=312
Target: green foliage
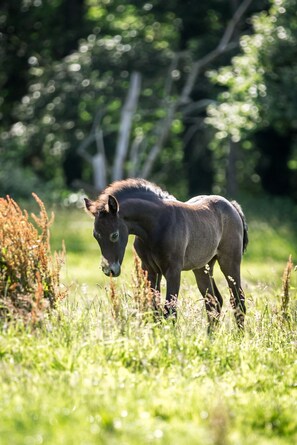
x=27, y=28
x=260, y=81
x=57, y=112
x=17, y=180
x=258, y=87
x=68, y=62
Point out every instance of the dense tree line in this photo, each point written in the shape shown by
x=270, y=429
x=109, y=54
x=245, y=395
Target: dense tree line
x=198, y=96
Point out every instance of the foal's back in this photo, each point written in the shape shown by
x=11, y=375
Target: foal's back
x=214, y=224
x=217, y=208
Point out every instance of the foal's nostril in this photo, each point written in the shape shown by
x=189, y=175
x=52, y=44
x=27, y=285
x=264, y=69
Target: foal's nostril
x=115, y=269
x=111, y=270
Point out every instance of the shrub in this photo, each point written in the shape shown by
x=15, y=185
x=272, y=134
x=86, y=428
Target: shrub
x=29, y=274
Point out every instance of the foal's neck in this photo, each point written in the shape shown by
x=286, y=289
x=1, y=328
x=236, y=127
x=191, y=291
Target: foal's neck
x=140, y=216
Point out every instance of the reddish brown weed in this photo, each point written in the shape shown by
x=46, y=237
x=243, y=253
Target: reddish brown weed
x=29, y=274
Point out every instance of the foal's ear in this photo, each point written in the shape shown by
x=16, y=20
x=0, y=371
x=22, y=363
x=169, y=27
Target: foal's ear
x=91, y=206
x=113, y=204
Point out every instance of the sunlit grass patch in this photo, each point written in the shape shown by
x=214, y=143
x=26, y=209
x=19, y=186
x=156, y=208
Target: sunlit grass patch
x=269, y=243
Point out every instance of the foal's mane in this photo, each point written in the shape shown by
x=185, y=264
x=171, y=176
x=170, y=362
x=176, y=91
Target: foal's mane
x=136, y=189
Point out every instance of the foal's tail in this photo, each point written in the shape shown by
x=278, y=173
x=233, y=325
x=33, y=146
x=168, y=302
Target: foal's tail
x=244, y=223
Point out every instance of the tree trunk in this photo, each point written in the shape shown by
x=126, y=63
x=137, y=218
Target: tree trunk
x=125, y=126
x=99, y=171
x=164, y=130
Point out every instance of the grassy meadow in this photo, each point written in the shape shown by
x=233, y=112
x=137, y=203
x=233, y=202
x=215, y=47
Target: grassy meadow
x=98, y=370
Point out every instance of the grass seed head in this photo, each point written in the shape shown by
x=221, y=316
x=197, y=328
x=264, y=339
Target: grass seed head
x=285, y=298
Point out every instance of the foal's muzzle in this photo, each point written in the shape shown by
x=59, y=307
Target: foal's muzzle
x=113, y=269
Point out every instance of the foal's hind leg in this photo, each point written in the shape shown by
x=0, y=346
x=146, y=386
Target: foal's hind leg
x=230, y=266
x=212, y=297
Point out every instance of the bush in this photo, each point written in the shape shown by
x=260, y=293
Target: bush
x=29, y=274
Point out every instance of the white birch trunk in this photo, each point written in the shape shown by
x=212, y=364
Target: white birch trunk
x=125, y=126
x=99, y=171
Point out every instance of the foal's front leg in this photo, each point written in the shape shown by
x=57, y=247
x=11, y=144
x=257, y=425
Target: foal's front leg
x=172, y=277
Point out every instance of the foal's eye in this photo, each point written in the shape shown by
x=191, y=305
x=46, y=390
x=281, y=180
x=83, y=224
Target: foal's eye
x=114, y=237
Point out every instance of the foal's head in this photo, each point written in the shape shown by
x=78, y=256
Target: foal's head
x=111, y=233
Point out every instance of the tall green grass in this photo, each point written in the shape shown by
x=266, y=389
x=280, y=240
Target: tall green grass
x=87, y=377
